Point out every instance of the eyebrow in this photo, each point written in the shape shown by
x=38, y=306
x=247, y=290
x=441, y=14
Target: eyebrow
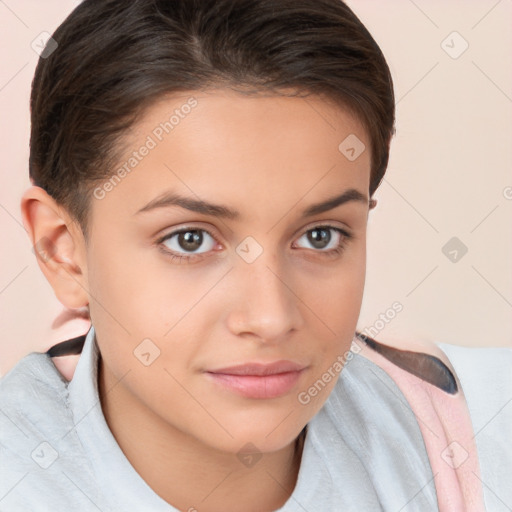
x=169, y=199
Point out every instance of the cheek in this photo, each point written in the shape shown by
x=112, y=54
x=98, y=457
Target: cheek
x=337, y=303
x=338, y=291
x=134, y=300
x=120, y=306
x=128, y=286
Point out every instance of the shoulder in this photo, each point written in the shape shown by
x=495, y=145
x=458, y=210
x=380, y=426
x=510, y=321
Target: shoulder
x=42, y=462
x=478, y=414
x=29, y=384
x=481, y=367
x=33, y=416
x=366, y=433
x=485, y=376
x=367, y=404
x=32, y=395
x=32, y=381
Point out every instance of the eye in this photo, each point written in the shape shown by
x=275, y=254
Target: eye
x=187, y=240
x=321, y=238
x=182, y=245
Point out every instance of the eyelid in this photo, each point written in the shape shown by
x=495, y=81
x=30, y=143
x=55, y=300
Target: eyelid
x=326, y=223
x=187, y=227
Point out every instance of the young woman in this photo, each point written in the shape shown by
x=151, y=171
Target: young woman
x=203, y=172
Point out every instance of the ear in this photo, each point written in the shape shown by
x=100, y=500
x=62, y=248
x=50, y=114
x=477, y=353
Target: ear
x=59, y=246
x=373, y=203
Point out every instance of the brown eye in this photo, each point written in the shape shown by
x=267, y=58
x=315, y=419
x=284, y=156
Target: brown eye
x=322, y=239
x=187, y=242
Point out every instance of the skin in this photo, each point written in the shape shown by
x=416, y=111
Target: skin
x=269, y=157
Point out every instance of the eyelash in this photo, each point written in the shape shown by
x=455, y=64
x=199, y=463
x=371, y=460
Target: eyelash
x=346, y=237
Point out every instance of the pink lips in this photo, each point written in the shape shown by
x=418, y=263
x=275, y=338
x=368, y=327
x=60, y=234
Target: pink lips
x=255, y=380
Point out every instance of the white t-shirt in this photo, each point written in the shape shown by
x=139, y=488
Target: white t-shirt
x=363, y=450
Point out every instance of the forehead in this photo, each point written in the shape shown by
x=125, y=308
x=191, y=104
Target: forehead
x=250, y=152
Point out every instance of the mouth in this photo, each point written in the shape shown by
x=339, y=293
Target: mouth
x=267, y=386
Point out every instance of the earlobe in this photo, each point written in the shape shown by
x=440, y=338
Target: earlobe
x=57, y=244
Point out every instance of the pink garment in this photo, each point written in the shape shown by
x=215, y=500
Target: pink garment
x=443, y=419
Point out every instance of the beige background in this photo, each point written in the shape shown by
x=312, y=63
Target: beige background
x=449, y=176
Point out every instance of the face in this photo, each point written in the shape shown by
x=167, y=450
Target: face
x=180, y=290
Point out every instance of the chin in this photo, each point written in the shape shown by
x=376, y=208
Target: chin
x=265, y=438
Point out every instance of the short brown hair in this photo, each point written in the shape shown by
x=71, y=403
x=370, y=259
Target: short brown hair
x=115, y=58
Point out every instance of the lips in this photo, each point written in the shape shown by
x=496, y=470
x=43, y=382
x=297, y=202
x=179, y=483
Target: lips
x=260, y=369
x=257, y=380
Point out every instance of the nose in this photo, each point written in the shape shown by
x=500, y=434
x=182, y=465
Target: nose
x=264, y=303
